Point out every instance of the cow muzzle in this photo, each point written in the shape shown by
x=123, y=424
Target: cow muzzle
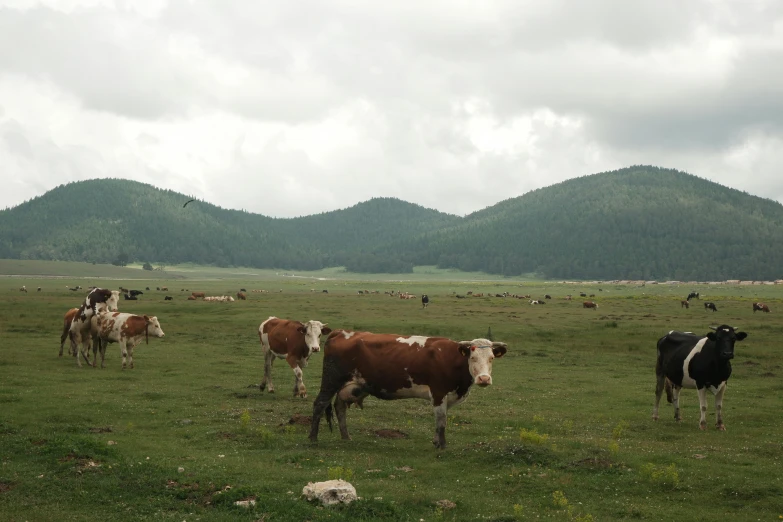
x=728, y=355
x=315, y=349
x=483, y=380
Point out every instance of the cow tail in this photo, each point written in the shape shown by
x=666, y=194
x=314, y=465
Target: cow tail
x=329, y=416
x=147, y=333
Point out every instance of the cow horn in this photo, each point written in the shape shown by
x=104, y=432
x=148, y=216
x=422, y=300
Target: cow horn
x=496, y=343
x=714, y=328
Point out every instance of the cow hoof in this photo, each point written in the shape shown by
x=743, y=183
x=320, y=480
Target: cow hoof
x=703, y=426
x=655, y=417
x=721, y=427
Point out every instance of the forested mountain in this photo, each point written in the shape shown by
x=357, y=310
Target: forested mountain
x=639, y=223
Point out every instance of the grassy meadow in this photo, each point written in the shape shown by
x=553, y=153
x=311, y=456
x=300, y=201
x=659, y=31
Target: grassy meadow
x=564, y=433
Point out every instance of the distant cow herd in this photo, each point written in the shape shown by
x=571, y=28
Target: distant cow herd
x=359, y=364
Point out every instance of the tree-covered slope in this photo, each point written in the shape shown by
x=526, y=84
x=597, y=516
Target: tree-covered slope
x=639, y=223
x=101, y=220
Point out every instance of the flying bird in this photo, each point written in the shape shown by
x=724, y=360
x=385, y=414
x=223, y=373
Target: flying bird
x=186, y=204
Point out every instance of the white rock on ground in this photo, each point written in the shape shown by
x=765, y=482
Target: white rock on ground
x=330, y=492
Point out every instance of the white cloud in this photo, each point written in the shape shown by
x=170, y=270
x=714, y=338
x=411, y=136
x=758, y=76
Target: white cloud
x=294, y=108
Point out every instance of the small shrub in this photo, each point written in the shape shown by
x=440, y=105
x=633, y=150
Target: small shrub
x=244, y=419
x=664, y=475
x=532, y=436
x=610, y=324
x=339, y=472
x=620, y=430
x=559, y=499
x=519, y=511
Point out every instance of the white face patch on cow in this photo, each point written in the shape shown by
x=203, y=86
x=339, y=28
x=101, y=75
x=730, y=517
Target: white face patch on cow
x=687, y=381
x=313, y=335
x=480, y=361
x=413, y=339
x=348, y=335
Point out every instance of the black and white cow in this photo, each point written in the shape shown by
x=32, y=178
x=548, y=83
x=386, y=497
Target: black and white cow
x=425, y=300
x=693, y=295
x=710, y=306
x=687, y=360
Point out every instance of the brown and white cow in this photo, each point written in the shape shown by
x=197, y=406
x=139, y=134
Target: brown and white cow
x=67, y=320
x=684, y=303
x=198, y=294
x=389, y=366
x=293, y=341
x=23, y=289
x=126, y=329
x=760, y=307
x=242, y=296
x=590, y=304
x=99, y=299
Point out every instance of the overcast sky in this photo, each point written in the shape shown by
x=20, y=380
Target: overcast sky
x=290, y=108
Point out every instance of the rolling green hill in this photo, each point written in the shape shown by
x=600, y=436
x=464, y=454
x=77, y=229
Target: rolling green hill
x=639, y=223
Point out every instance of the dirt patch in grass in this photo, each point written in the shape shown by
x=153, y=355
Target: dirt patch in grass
x=591, y=463
x=390, y=434
x=767, y=374
x=4, y=487
x=226, y=435
x=101, y=429
x=38, y=442
x=301, y=420
x=751, y=363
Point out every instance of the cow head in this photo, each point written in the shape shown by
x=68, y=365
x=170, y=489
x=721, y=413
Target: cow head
x=724, y=338
x=312, y=330
x=153, y=326
x=480, y=353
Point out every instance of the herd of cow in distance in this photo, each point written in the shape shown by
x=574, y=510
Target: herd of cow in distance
x=389, y=366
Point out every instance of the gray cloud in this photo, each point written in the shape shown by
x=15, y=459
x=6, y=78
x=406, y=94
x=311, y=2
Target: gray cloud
x=292, y=108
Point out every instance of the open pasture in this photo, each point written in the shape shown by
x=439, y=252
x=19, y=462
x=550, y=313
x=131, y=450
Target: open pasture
x=564, y=433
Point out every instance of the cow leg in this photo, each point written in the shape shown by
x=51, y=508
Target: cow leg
x=340, y=408
x=702, y=408
x=676, y=402
x=124, y=350
x=296, y=366
x=131, y=345
x=439, y=440
x=719, y=407
x=660, y=384
x=269, y=358
x=332, y=380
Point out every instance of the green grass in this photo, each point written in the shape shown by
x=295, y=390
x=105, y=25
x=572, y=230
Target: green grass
x=565, y=432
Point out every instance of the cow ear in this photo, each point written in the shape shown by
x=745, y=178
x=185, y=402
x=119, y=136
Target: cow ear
x=499, y=349
x=741, y=335
x=711, y=336
x=464, y=347
x=302, y=329
x=326, y=330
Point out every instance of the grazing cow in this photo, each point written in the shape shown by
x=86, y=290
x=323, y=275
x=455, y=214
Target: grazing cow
x=547, y=296
x=191, y=298
x=168, y=298
x=693, y=295
x=198, y=294
x=686, y=360
x=460, y=296
x=324, y=291
x=590, y=304
x=39, y=288
x=537, y=302
x=97, y=300
x=388, y=366
x=242, y=290
x=293, y=341
x=23, y=289
x=684, y=304
x=147, y=288
x=136, y=292
x=126, y=329
x=241, y=296
x=164, y=288
x=710, y=306
x=582, y=294
x=760, y=306
x=67, y=320
x=129, y=297
x=425, y=300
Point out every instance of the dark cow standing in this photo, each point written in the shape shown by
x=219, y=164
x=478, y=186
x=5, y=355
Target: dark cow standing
x=129, y=297
x=686, y=360
x=168, y=298
x=134, y=293
x=710, y=306
x=760, y=307
x=389, y=366
x=293, y=341
x=693, y=295
x=425, y=300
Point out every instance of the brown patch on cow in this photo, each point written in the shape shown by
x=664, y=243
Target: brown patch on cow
x=390, y=434
x=134, y=325
x=5, y=487
x=101, y=429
